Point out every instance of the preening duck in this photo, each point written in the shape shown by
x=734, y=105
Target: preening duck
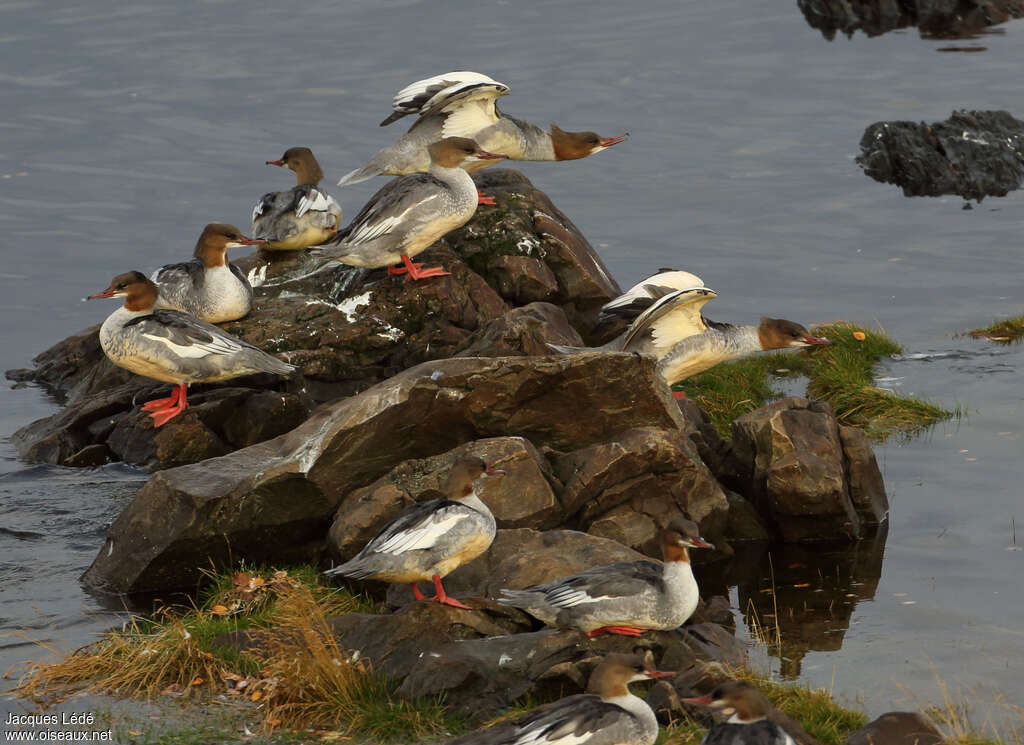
x=209, y=287
x=464, y=104
x=747, y=710
x=627, y=597
x=411, y=212
x=172, y=346
x=431, y=539
x=305, y=215
x=607, y=714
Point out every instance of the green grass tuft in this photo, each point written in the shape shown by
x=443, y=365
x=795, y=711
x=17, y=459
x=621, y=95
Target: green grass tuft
x=1008, y=331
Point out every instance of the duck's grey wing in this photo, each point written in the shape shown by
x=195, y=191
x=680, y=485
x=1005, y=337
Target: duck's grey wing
x=240, y=275
x=265, y=206
x=670, y=319
x=184, y=274
x=575, y=720
x=430, y=95
x=419, y=527
x=396, y=204
x=617, y=580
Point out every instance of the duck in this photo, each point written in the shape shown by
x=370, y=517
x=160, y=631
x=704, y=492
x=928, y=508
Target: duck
x=464, y=104
x=607, y=714
x=747, y=710
x=209, y=287
x=172, y=346
x=303, y=216
x=626, y=597
x=411, y=212
x=638, y=298
x=431, y=539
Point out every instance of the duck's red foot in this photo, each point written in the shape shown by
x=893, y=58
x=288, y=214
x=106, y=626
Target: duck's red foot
x=163, y=410
x=416, y=591
x=162, y=403
x=678, y=395
x=443, y=598
x=623, y=630
x=416, y=271
x=483, y=198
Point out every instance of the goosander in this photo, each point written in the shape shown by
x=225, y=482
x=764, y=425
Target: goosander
x=747, y=710
x=641, y=296
x=302, y=216
x=607, y=714
x=172, y=346
x=463, y=104
x=431, y=539
x=627, y=597
x=411, y=212
x=209, y=287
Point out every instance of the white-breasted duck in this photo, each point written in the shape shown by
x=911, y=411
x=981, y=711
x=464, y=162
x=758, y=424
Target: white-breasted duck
x=747, y=712
x=209, y=287
x=411, y=212
x=431, y=539
x=607, y=714
x=626, y=597
x=172, y=346
x=641, y=296
x=464, y=104
x=303, y=216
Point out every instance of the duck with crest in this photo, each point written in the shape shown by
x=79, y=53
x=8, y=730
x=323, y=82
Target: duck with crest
x=626, y=597
x=304, y=215
x=431, y=539
x=464, y=104
x=209, y=287
x=172, y=346
x=748, y=716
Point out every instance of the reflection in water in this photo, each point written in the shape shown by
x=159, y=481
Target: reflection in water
x=800, y=594
x=877, y=18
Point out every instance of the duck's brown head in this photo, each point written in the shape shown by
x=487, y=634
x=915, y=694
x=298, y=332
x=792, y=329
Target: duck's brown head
x=576, y=145
x=465, y=475
x=451, y=152
x=612, y=677
x=778, y=333
x=680, y=535
x=215, y=240
x=138, y=291
x=735, y=697
x=300, y=160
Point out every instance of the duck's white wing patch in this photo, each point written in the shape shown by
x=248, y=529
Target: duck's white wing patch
x=424, y=535
x=567, y=597
x=432, y=94
x=672, y=318
x=387, y=220
x=315, y=201
x=196, y=349
x=467, y=117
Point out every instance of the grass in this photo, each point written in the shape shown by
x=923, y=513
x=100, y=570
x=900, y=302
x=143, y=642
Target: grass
x=841, y=374
x=1008, y=331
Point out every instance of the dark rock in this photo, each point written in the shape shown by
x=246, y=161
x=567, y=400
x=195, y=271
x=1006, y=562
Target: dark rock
x=897, y=728
x=524, y=279
x=526, y=331
x=273, y=502
x=744, y=522
x=89, y=456
x=792, y=455
x=867, y=489
x=973, y=153
x=943, y=19
x=712, y=448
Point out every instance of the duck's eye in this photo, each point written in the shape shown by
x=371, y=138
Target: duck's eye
x=594, y=141
x=122, y=285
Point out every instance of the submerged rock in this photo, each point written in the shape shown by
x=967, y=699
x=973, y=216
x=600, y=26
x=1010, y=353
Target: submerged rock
x=944, y=19
x=973, y=153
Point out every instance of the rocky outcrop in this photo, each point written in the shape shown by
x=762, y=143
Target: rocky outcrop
x=791, y=456
x=973, y=153
x=274, y=501
x=944, y=19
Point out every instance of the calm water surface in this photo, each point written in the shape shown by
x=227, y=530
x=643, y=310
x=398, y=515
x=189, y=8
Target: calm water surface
x=127, y=127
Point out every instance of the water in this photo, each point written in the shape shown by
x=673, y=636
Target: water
x=128, y=127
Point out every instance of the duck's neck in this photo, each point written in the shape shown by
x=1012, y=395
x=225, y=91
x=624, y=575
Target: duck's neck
x=472, y=500
x=637, y=707
x=453, y=176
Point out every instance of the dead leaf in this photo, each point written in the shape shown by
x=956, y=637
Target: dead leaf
x=256, y=696
x=241, y=580
x=859, y=335
x=219, y=610
x=803, y=584
x=256, y=582
x=197, y=681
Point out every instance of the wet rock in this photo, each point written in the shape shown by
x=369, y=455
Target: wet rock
x=744, y=522
x=713, y=450
x=973, y=153
x=944, y=19
x=274, y=501
x=526, y=331
x=522, y=497
x=867, y=490
x=792, y=456
x=897, y=728
x=524, y=279
x=89, y=456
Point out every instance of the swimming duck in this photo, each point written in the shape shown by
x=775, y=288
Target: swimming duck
x=463, y=104
x=627, y=597
x=607, y=714
x=411, y=212
x=209, y=287
x=302, y=216
x=747, y=710
x=431, y=539
x=172, y=346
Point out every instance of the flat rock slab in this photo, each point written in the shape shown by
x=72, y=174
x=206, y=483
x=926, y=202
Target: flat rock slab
x=273, y=502
x=973, y=153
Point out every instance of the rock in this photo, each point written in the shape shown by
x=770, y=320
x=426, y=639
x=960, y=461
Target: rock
x=523, y=279
x=973, y=153
x=522, y=497
x=527, y=331
x=744, y=522
x=273, y=502
x=711, y=447
x=897, y=728
x=792, y=456
x=867, y=489
x=944, y=19
x=89, y=456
